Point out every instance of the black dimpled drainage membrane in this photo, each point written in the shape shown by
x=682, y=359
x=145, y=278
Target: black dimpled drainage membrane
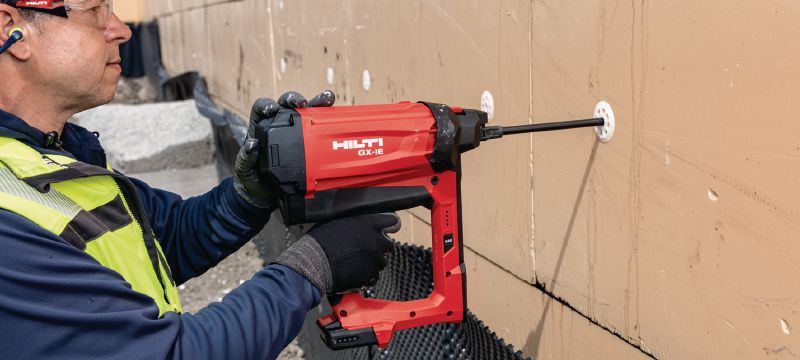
x=409, y=277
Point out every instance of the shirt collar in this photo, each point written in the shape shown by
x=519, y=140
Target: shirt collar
x=77, y=142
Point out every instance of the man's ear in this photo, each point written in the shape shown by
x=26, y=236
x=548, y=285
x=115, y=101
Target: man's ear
x=10, y=20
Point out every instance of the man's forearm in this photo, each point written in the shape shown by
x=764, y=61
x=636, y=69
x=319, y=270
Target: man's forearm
x=58, y=302
x=255, y=321
x=199, y=232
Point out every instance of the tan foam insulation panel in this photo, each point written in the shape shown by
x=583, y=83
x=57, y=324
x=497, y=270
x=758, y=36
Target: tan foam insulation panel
x=679, y=239
x=129, y=11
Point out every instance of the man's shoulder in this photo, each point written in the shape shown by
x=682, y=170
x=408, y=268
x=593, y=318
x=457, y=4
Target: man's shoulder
x=11, y=221
x=16, y=232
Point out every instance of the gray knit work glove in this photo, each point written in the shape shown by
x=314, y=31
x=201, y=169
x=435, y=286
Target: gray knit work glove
x=247, y=181
x=345, y=254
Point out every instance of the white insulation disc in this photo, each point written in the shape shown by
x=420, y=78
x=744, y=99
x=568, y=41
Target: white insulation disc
x=487, y=104
x=605, y=132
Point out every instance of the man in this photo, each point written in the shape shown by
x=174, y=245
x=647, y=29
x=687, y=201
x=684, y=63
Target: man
x=91, y=259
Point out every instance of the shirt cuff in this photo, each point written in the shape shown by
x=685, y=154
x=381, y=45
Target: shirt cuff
x=241, y=208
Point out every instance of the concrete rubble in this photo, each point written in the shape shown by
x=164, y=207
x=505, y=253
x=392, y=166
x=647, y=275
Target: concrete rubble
x=151, y=137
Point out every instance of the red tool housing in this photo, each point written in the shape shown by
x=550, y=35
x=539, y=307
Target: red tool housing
x=342, y=161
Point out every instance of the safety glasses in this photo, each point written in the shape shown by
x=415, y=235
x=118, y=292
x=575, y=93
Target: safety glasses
x=95, y=13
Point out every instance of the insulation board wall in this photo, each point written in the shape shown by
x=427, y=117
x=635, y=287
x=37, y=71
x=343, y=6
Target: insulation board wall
x=129, y=11
x=679, y=239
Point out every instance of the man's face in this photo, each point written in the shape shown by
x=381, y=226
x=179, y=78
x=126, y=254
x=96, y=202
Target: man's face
x=76, y=59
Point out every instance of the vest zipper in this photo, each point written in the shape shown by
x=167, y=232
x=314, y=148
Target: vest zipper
x=139, y=214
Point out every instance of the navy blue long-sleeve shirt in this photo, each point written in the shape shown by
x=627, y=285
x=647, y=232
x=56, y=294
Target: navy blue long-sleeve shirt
x=58, y=302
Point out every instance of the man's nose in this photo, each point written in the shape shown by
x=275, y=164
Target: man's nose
x=117, y=31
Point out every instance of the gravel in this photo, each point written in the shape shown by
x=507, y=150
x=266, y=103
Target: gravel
x=151, y=137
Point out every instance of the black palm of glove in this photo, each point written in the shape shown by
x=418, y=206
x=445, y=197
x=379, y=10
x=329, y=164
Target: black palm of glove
x=345, y=254
x=247, y=181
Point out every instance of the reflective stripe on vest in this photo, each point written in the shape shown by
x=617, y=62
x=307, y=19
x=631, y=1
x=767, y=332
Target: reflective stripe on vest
x=92, y=208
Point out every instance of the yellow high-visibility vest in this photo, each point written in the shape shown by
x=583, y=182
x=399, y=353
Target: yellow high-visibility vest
x=92, y=208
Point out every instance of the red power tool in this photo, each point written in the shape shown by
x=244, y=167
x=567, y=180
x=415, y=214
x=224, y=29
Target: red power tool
x=332, y=162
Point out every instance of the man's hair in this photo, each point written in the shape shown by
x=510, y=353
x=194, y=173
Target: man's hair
x=28, y=15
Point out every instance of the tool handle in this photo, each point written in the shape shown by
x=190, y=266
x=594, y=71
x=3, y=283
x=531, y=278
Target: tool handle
x=358, y=321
